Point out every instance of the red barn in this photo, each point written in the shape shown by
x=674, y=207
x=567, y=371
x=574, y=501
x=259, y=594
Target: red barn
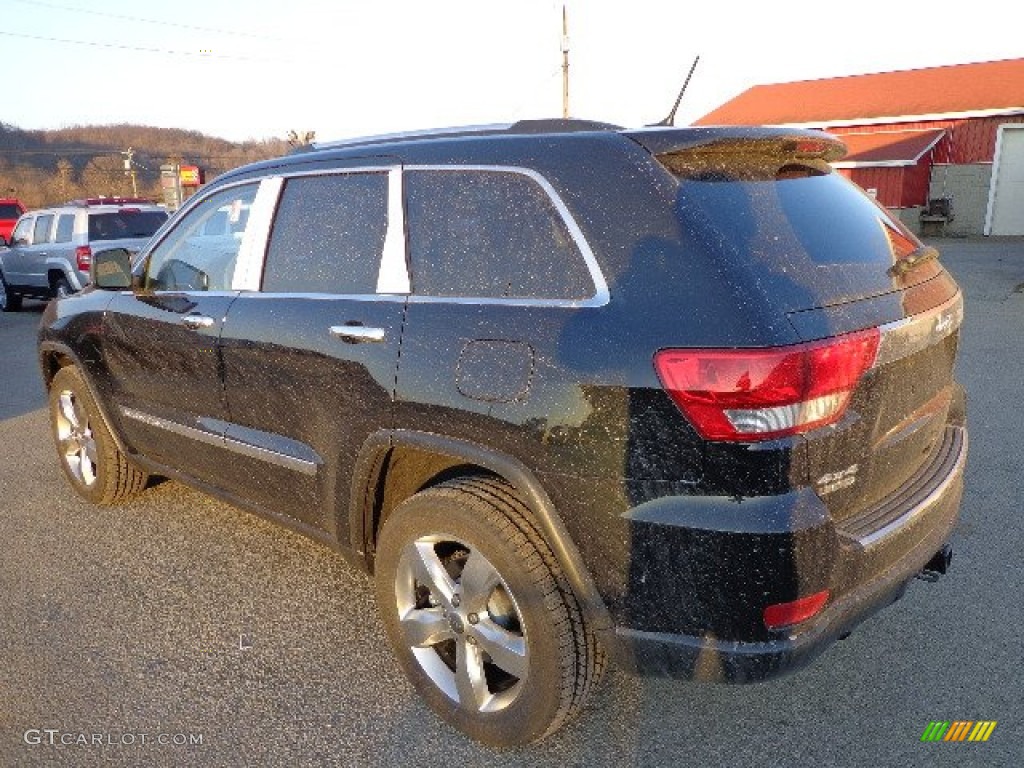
x=943, y=147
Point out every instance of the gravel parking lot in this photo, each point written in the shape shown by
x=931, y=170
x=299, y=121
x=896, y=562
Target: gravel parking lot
x=178, y=630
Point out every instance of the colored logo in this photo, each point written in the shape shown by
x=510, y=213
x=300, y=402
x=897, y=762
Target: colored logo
x=958, y=730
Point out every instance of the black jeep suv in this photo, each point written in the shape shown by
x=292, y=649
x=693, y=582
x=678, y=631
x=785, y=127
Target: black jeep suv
x=678, y=398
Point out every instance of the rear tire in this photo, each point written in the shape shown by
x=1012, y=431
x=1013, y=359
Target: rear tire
x=62, y=288
x=480, y=615
x=89, y=456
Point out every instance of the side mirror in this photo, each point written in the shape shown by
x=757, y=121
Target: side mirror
x=3, y=241
x=111, y=270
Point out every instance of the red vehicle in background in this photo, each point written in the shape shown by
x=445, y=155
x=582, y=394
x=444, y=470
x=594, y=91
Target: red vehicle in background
x=10, y=209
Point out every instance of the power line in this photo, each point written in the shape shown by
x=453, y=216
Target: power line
x=142, y=49
x=142, y=20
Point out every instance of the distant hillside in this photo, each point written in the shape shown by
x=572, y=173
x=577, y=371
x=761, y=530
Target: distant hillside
x=48, y=167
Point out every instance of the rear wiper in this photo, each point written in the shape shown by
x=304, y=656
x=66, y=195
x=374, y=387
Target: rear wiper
x=907, y=263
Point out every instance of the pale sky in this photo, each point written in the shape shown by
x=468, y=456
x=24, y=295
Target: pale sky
x=258, y=68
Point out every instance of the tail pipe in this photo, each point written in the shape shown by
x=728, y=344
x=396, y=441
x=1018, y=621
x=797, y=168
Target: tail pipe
x=938, y=565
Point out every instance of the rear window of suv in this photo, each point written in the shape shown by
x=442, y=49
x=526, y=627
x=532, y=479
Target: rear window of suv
x=126, y=223
x=813, y=237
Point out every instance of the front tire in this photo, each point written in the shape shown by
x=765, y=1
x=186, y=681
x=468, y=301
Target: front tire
x=88, y=454
x=9, y=300
x=480, y=615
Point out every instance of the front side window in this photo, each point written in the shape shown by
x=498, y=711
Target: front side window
x=41, y=231
x=490, y=234
x=199, y=254
x=328, y=235
x=21, y=232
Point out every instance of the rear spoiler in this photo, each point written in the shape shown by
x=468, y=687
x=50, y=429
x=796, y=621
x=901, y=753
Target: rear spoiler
x=800, y=144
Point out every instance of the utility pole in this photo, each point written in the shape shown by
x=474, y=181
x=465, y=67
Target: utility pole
x=129, y=169
x=63, y=173
x=565, y=63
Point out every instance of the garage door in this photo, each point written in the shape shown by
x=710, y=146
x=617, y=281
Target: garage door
x=1006, y=206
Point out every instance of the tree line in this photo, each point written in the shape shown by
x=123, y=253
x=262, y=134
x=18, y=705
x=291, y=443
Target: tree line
x=48, y=167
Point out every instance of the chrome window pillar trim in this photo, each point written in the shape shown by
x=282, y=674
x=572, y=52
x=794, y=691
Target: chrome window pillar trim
x=601, y=294
x=414, y=299
x=393, y=277
x=253, y=249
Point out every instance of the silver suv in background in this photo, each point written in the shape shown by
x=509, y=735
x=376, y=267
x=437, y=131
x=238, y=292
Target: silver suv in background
x=51, y=249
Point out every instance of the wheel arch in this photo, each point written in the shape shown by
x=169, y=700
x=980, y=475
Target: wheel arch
x=52, y=357
x=395, y=464
x=58, y=270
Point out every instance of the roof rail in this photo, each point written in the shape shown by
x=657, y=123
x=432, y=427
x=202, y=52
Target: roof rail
x=84, y=202
x=561, y=125
x=554, y=125
x=432, y=133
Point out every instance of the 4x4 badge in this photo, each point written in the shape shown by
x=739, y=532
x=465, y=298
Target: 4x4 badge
x=835, y=481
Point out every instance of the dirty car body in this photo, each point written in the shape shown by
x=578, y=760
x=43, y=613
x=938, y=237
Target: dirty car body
x=705, y=378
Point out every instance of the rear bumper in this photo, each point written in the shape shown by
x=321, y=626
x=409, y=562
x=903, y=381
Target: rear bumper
x=872, y=567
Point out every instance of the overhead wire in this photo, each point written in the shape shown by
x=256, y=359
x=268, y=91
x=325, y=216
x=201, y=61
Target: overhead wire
x=140, y=19
x=144, y=49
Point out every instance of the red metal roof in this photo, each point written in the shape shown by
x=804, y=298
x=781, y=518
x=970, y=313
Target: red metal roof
x=887, y=148
x=952, y=90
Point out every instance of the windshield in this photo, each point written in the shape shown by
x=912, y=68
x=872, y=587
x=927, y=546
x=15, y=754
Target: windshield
x=124, y=223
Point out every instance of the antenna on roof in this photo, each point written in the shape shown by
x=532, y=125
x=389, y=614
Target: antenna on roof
x=670, y=120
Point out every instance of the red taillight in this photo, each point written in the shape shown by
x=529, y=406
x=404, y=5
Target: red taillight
x=760, y=394
x=784, y=614
x=83, y=255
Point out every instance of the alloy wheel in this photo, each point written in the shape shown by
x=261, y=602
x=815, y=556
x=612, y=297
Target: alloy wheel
x=75, y=438
x=461, y=622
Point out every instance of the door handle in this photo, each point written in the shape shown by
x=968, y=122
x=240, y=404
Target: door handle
x=357, y=334
x=196, y=322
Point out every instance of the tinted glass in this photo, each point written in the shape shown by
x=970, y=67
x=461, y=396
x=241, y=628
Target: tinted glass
x=124, y=223
x=65, y=228
x=812, y=239
x=9, y=211
x=811, y=219
x=490, y=234
x=41, y=231
x=328, y=235
x=199, y=254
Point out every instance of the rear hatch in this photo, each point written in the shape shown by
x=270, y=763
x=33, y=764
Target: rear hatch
x=805, y=243
x=124, y=227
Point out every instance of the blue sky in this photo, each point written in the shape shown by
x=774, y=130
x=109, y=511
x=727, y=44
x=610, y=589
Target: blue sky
x=259, y=68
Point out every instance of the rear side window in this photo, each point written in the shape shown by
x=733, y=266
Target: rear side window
x=41, y=231
x=328, y=235
x=490, y=234
x=9, y=211
x=124, y=223
x=65, y=228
